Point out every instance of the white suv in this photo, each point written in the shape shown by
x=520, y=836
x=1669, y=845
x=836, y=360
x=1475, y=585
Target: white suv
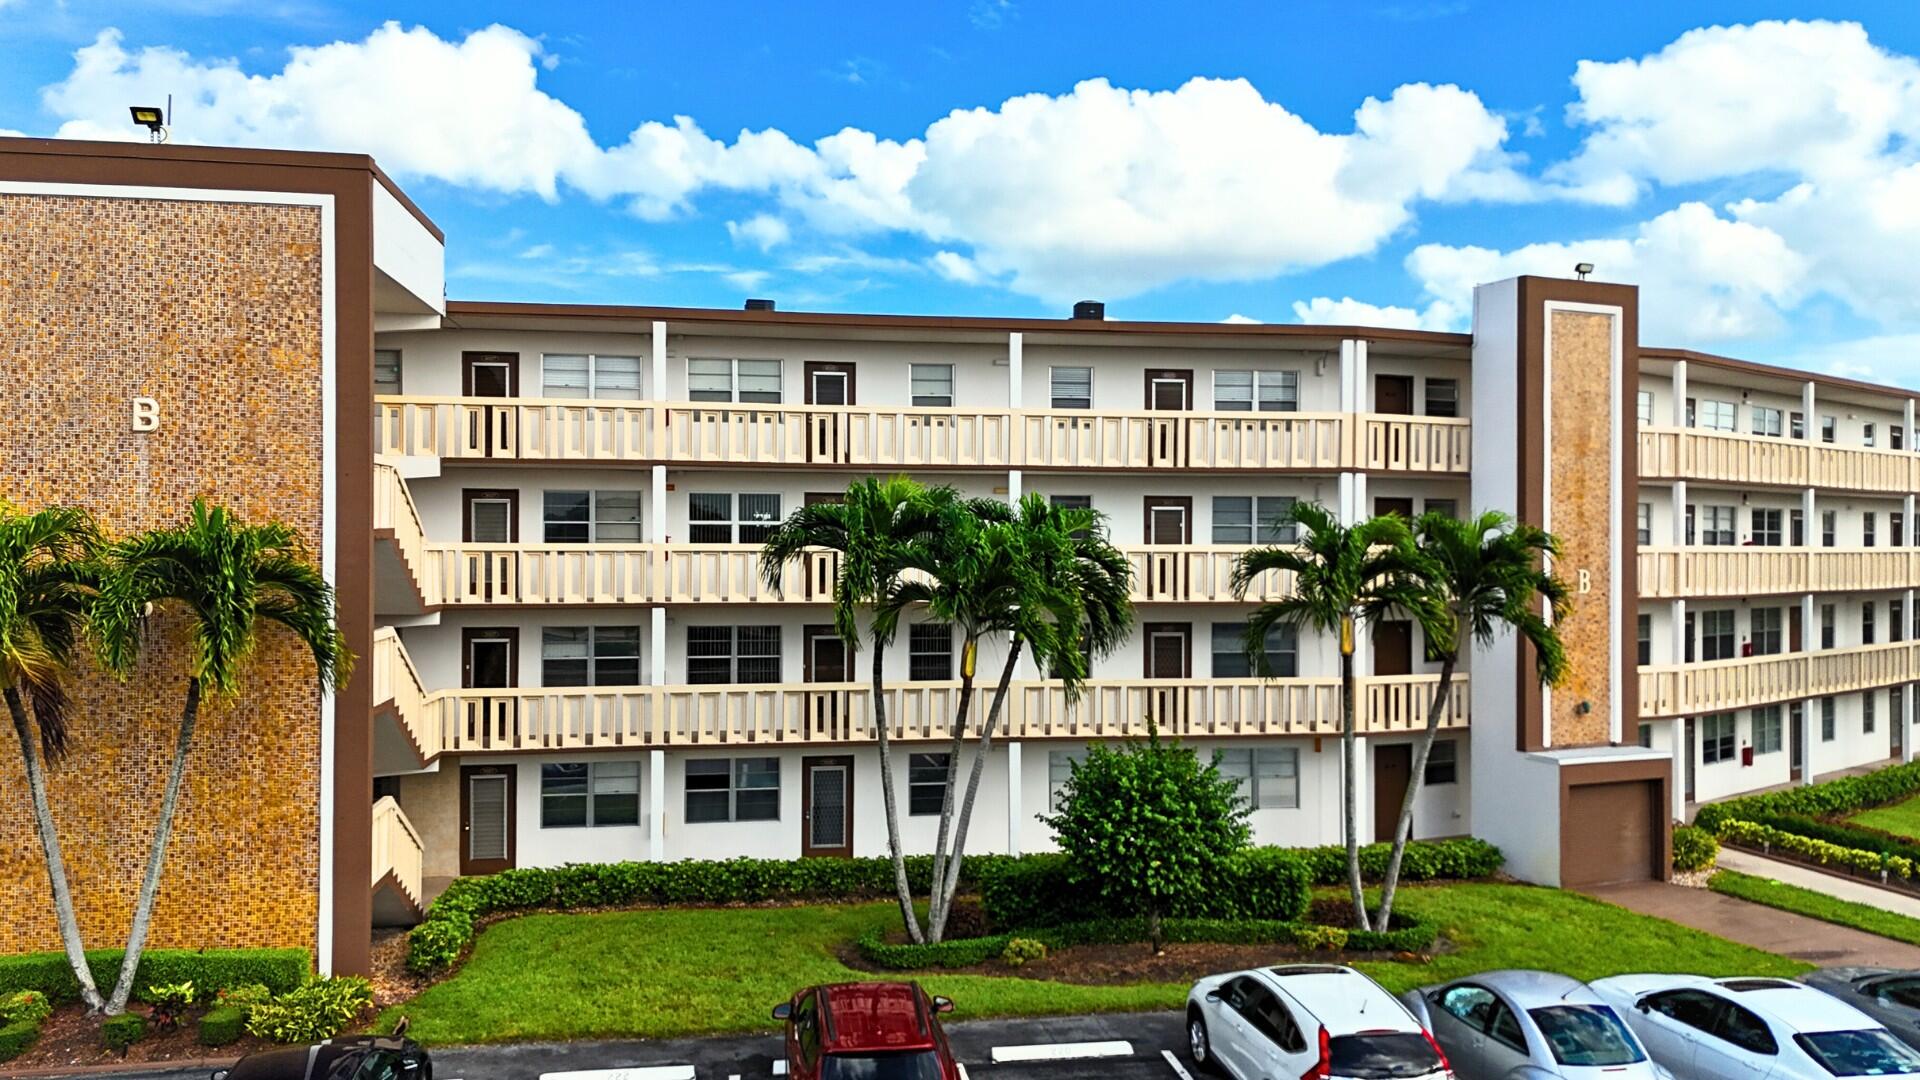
x=1312, y=1021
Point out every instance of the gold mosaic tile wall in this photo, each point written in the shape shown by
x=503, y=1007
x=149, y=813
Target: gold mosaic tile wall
x=215, y=311
x=1583, y=402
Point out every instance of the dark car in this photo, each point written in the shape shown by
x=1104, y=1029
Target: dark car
x=1889, y=995
x=353, y=1057
x=866, y=1031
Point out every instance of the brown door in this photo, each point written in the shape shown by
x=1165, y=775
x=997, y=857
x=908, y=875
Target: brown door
x=1169, y=390
x=488, y=517
x=1393, y=394
x=828, y=383
x=1169, y=519
x=486, y=818
x=489, y=659
x=490, y=374
x=1611, y=833
x=1169, y=655
x=1393, y=647
x=1392, y=771
x=1384, y=506
x=826, y=807
x=824, y=660
x=1793, y=628
x=1797, y=745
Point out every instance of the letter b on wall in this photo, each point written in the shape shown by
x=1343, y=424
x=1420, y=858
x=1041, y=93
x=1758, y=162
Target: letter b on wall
x=146, y=414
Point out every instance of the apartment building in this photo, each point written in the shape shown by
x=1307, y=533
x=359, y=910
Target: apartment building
x=544, y=524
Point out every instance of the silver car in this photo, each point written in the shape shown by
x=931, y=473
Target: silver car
x=1889, y=995
x=1521, y=1025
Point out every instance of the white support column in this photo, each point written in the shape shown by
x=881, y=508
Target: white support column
x=657, y=805
x=1906, y=440
x=657, y=647
x=1809, y=633
x=1016, y=484
x=1808, y=404
x=1679, y=393
x=1679, y=513
x=657, y=533
x=1678, y=649
x=1807, y=503
x=657, y=513
x=1363, y=791
x=658, y=391
x=1362, y=382
x=1912, y=539
x=1014, y=821
x=1349, y=401
x=1677, y=732
x=1807, y=742
x=1015, y=367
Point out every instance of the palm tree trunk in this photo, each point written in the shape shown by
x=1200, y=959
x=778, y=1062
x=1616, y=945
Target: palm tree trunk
x=1350, y=813
x=900, y=884
x=952, y=883
x=50, y=847
x=936, y=918
x=157, y=858
x=1404, y=830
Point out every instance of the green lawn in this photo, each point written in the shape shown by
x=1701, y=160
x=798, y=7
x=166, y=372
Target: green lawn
x=643, y=974
x=1817, y=905
x=1902, y=818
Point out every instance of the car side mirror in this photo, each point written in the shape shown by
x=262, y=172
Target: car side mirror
x=943, y=1004
x=1643, y=1006
x=1213, y=997
x=219, y=1074
x=783, y=1010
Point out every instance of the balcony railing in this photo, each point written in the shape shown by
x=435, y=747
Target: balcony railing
x=396, y=849
x=1673, y=572
x=503, y=721
x=876, y=437
x=397, y=689
x=1724, y=457
x=1725, y=685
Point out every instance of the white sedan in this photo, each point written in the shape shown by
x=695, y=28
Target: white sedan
x=1753, y=1028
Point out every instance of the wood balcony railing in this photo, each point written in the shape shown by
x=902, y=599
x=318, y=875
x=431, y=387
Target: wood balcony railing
x=397, y=689
x=1724, y=457
x=1725, y=685
x=505, y=721
x=396, y=849
x=877, y=437
x=1684, y=572
x=395, y=517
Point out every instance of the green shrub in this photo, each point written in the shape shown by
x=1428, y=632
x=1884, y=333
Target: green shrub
x=280, y=969
x=222, y=1024
x=170, y=1002
x=1408, y=935
x=1463, y=859
x=16, y=1037
x=1828, y=798
x=243, y=997
x=31, y=1006
x=1754, y=834
x=1322, y=938
x=1022, y=951
x=319, y=1010
x=123, y=1031
x=1694, y=848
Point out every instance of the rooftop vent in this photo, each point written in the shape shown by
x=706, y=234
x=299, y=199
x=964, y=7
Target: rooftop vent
x=1090, y=309
x=759, y=305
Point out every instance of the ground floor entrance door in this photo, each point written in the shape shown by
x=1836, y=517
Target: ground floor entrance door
x=1392, y=772
x=826, y=798
x=1796, y=740
x=486, y=818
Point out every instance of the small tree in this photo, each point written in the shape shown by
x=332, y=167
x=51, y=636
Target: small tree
x=1147, y=826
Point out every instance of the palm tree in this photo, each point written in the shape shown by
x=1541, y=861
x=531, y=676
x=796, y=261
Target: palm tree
x=1344, y=579
x=1483, y=577
x=224, y=576
x=46, y=588
x=872, y=529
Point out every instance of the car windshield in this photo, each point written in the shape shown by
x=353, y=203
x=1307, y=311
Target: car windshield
x=902, y=1065
x=1586, y=1035
x=1386, y=1056
x=1872, y=1052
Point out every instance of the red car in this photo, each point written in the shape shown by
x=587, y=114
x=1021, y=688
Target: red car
x=866, y=1031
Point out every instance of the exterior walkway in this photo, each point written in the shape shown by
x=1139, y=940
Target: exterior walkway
x=1820, y=943
x=1841, y=888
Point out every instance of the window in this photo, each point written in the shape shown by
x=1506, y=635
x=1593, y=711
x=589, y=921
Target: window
x=1644, y=639
x=1716, y=738
x=1828, y=430
x=597, y=517
x=1866, y=713
x=1829, y=528
x=1796, y=528
x=1646, y=735
x=1443, y=507
x=931, y=384
x=572, y=376
x=1443, y=397
x=1716, y=526
x=755, y=382
x=386, y=371
x=1896, y=436
x=1828, y=707
x=1766, y=730
x=926, y=783
x=1060, y=765
x=1247, y=519
x=1716, y=635
x=1269, y=777
x=1827, y=623
x=1796, y=425
x=733, y=789
x=1866, y=434
x=1443, y=763
x=1767, y=639
x=1868, y=528
x=1230, y=654
x=733, y=654
x=930, y=652
x=1866, y=622
x=1863, y=1052
x=1896, y=620
x=717, y=517
x=1072, y=388
x=1766, y=527
x=1897, y=529
x=1766, y=421
x=584, y=796
x=1256, y=391
x=1075, y=502
x=1716, y=415
x=1643, y=523
x=590, y=656
x=1643, y=408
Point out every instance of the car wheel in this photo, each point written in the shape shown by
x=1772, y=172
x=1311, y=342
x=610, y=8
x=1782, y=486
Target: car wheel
x=1197, y=1044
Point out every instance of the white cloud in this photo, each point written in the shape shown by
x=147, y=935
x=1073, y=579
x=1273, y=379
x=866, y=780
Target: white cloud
x=1892, y=359
x=956, y=267
x=747, y=279
x=1237, y=319
x=763, y=231
x=1346, y=311
x=1859, y=237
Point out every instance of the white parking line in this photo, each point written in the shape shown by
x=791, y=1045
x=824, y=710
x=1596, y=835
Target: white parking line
x=962, y=1066
x=637, y=1072
x=1062, y=1051
x=1179, y=1070
x=780, y=1067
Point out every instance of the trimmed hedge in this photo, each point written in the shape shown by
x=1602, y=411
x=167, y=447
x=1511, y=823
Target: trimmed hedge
x=1820, y=851
x=1829, y=798
x=209, y=969
x=1463, y=859
x=1040, y=890
x=1409, y=936
x=222, y=1024
x=123, y=1031
x=1842, y=833
x=1694, y=848
x=17, y=1038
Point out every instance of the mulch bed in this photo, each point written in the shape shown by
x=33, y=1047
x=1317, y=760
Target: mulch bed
x=1122, y=965
x=71, y=1038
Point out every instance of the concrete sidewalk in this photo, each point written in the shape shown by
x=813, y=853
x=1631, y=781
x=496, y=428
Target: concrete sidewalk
x=1834, y=885
x=1819, y=943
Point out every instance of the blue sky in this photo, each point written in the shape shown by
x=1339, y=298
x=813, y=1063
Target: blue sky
x=1758, y=178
